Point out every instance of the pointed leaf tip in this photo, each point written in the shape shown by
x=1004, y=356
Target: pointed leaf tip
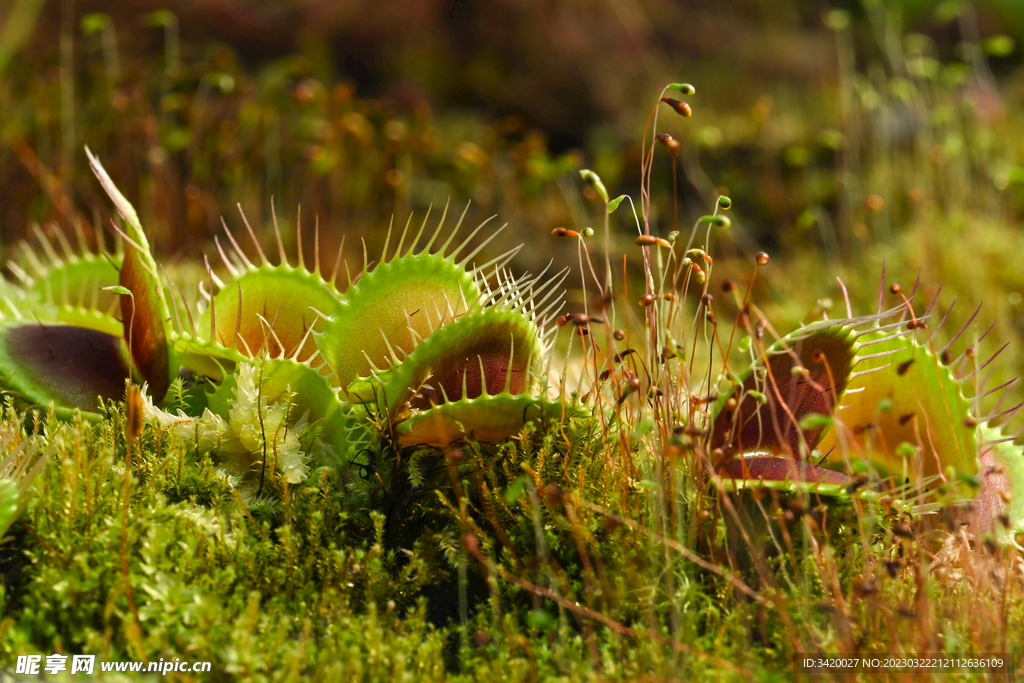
x=614, y=204
x=123, y=206
x=144, y=308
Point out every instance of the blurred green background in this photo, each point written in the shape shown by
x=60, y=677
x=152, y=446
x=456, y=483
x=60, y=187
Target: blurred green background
x=846, y=132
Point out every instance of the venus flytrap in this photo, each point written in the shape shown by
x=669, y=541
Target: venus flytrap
x=62, y=283
x=823, y=404
x=421, y=348
x=148, y=317
x=859, y=393
x=63, y=302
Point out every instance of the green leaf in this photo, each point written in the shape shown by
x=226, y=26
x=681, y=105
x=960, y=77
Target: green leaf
x=614, y=204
